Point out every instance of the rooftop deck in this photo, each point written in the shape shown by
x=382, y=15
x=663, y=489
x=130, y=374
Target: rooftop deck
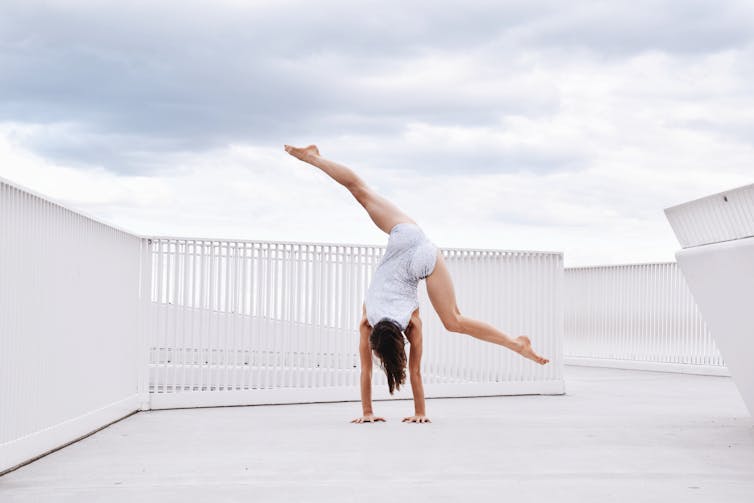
x=617, y=435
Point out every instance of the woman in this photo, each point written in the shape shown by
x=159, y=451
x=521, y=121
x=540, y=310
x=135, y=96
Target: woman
x=391, y=307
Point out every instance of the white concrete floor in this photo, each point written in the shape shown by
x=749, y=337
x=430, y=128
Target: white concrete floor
x=616, y=436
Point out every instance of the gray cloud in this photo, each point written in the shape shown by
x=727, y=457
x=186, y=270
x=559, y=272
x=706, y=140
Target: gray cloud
x=624, y=28
x=120, y=85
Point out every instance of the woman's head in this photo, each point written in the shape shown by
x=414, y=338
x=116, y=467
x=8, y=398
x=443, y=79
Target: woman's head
x=386, y=341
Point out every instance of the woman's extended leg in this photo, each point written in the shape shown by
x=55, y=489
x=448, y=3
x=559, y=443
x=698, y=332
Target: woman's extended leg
x=382, y=212
x=442, y=295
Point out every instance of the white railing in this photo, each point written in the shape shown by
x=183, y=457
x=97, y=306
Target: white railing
x=636, y=316
x=96, y=322
x=260, y=322
x=69, y=297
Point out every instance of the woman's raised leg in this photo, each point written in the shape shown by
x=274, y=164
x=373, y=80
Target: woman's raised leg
x=442, y=295
x=382, y=212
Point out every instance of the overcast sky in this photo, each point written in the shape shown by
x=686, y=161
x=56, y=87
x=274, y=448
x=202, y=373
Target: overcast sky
x=556, y=125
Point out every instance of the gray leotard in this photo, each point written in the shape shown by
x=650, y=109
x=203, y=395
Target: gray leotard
x=409, y=257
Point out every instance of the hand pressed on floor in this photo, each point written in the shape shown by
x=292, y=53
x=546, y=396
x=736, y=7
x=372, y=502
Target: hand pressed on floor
x=416, y=419
x=368, y=418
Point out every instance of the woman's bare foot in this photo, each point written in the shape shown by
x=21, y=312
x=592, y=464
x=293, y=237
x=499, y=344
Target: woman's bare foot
x=525, y=350
x=303, y=153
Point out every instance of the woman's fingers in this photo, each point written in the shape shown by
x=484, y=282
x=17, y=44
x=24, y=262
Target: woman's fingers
x=416, y=419
x=377, y=419
x=368, y=419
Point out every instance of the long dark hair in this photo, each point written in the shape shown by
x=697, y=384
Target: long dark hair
x=386, y=341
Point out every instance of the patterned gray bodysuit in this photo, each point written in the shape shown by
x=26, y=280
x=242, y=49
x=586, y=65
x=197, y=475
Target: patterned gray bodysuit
x=409, y=258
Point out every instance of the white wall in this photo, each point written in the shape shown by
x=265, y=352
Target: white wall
x=721, y=275
x=717, y=234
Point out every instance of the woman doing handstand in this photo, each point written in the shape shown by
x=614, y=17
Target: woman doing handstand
x=391, y=306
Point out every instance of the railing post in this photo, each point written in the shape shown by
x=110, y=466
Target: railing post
x=144, y=324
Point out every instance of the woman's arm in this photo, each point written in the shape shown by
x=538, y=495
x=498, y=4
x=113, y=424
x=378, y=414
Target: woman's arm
x=414, y=335
x=365, y=356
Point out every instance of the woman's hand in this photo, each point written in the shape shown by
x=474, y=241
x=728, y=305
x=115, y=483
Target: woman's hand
x=418, y=418
x=368, y=418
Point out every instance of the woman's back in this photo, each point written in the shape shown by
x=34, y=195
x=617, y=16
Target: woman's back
x=409, y=258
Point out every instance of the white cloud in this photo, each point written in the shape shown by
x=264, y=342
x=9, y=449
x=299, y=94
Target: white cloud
x=595, y=216
x=517, y=127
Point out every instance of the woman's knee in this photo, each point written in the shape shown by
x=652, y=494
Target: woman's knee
x=359, y=191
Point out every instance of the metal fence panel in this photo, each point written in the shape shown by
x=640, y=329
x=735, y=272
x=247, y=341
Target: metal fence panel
x=278, y=322
x=68, y=324
x=642, y=313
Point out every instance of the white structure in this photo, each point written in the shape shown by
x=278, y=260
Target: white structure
x=96, y=323
x=717, y=235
